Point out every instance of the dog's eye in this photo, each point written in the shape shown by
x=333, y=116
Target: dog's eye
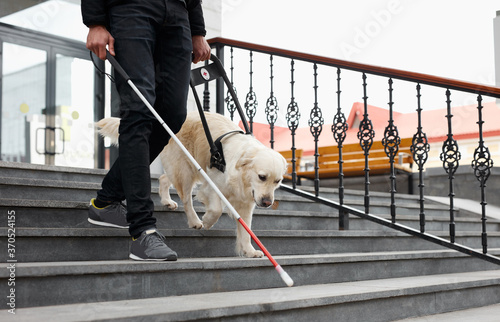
x=262, y=177
x=277, y=181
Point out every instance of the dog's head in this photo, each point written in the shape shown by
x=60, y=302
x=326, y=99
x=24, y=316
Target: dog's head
x=263, y=171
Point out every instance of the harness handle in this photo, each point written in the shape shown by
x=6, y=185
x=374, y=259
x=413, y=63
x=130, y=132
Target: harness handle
x=205, y=74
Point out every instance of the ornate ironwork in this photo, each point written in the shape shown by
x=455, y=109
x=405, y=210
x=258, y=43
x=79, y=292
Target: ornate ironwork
x=339, y=130
x=272, y=106
x=482, y=164
x=340, y=126
x=391, y=142
x=420, y=150
x=450, y=156
x=230, y=104
x=366, y=134
x=293, y=119
x=316, y=122
x=251, y=98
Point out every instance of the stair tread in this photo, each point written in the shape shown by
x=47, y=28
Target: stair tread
x=364, y=263
x=114, y=232
x=30, y=203
x=226, y=304
x=43, y=269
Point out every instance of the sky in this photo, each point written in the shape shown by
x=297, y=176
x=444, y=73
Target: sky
x=447, y=38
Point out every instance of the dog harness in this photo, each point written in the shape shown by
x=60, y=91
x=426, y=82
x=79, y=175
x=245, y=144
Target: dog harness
x=203, y=75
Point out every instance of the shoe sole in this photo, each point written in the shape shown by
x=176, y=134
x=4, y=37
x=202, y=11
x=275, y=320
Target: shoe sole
x=137, y=258
x=105, y=224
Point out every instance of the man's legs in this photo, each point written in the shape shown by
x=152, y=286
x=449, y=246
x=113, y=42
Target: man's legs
x=157, y=58
x=146, y=49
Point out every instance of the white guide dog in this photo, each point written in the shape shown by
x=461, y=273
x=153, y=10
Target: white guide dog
x=253, y=172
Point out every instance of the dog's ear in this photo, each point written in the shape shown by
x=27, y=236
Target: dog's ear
x=246, y=159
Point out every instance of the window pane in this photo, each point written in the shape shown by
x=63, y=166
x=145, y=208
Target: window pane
x=23, y=100
x=74, y=112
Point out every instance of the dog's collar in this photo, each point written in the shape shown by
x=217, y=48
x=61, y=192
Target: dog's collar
x=217, y=159
x=218, y=142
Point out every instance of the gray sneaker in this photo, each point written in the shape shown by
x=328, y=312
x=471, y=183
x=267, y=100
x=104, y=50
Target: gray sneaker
x=150, y=246
x=114, y=215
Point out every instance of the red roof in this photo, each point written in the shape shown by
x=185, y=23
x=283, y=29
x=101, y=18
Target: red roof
x=434, y=123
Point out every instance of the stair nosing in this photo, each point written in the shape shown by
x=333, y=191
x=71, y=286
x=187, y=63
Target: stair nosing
x=64, y=268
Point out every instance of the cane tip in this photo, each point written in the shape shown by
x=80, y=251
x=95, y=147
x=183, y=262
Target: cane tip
x=287, y=279
x=284, y=276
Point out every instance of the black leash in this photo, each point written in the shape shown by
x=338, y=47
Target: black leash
x=200, y=76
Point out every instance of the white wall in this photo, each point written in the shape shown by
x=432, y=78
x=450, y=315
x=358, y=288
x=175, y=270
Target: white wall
x=496, y=36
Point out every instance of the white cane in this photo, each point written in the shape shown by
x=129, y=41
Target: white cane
x=284, y=275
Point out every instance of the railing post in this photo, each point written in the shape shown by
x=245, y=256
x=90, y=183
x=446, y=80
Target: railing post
x=482, y=165
x=272, y=108
x=339, y=129
x=231, y=105
x=391, y=142
x=251, y=102
x=420, y=149
x=450, y=157
x=316, y=122
x=366, y=134
x=292, y=119
x=219, y=85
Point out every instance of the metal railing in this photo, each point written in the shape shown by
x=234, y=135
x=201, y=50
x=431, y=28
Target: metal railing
x=450, y=155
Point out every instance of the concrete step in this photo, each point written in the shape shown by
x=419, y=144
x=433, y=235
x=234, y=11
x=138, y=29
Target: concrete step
x=489, y=313
x=372, y=300
x=88, y=244
x=378, y=206
x=43, y=189
x=45, y=172
x=98, y=281
x=26, y=181
x=73, y=214
x=369, y=273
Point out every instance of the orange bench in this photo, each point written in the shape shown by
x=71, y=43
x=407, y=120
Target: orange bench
x=288, y=156
x=354, y=160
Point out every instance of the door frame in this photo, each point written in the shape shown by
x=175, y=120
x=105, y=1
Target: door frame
x=54, y=45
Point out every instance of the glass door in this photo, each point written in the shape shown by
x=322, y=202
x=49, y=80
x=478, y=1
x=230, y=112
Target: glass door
x=73, y=117
x=23, y=102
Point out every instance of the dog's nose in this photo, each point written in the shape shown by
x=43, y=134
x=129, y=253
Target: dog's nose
x=266, y=202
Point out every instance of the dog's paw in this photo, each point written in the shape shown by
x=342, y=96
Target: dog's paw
x=254, y=254
x=209, y=221
x=196, y=224
x=251, y=253
x=207, y=225
x=172, y=205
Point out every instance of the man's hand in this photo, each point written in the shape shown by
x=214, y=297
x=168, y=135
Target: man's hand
x=201, y=49
x=97, y=40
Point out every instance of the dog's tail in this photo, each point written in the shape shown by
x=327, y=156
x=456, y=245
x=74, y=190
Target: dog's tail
x=108, y=127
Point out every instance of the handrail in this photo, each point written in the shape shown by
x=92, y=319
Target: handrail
x=371, y=69
x=450, y=154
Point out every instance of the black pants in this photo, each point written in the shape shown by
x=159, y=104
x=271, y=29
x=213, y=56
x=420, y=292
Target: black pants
x=153, y=44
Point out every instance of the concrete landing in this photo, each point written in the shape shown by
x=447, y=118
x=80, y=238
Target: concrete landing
x=274, y=301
